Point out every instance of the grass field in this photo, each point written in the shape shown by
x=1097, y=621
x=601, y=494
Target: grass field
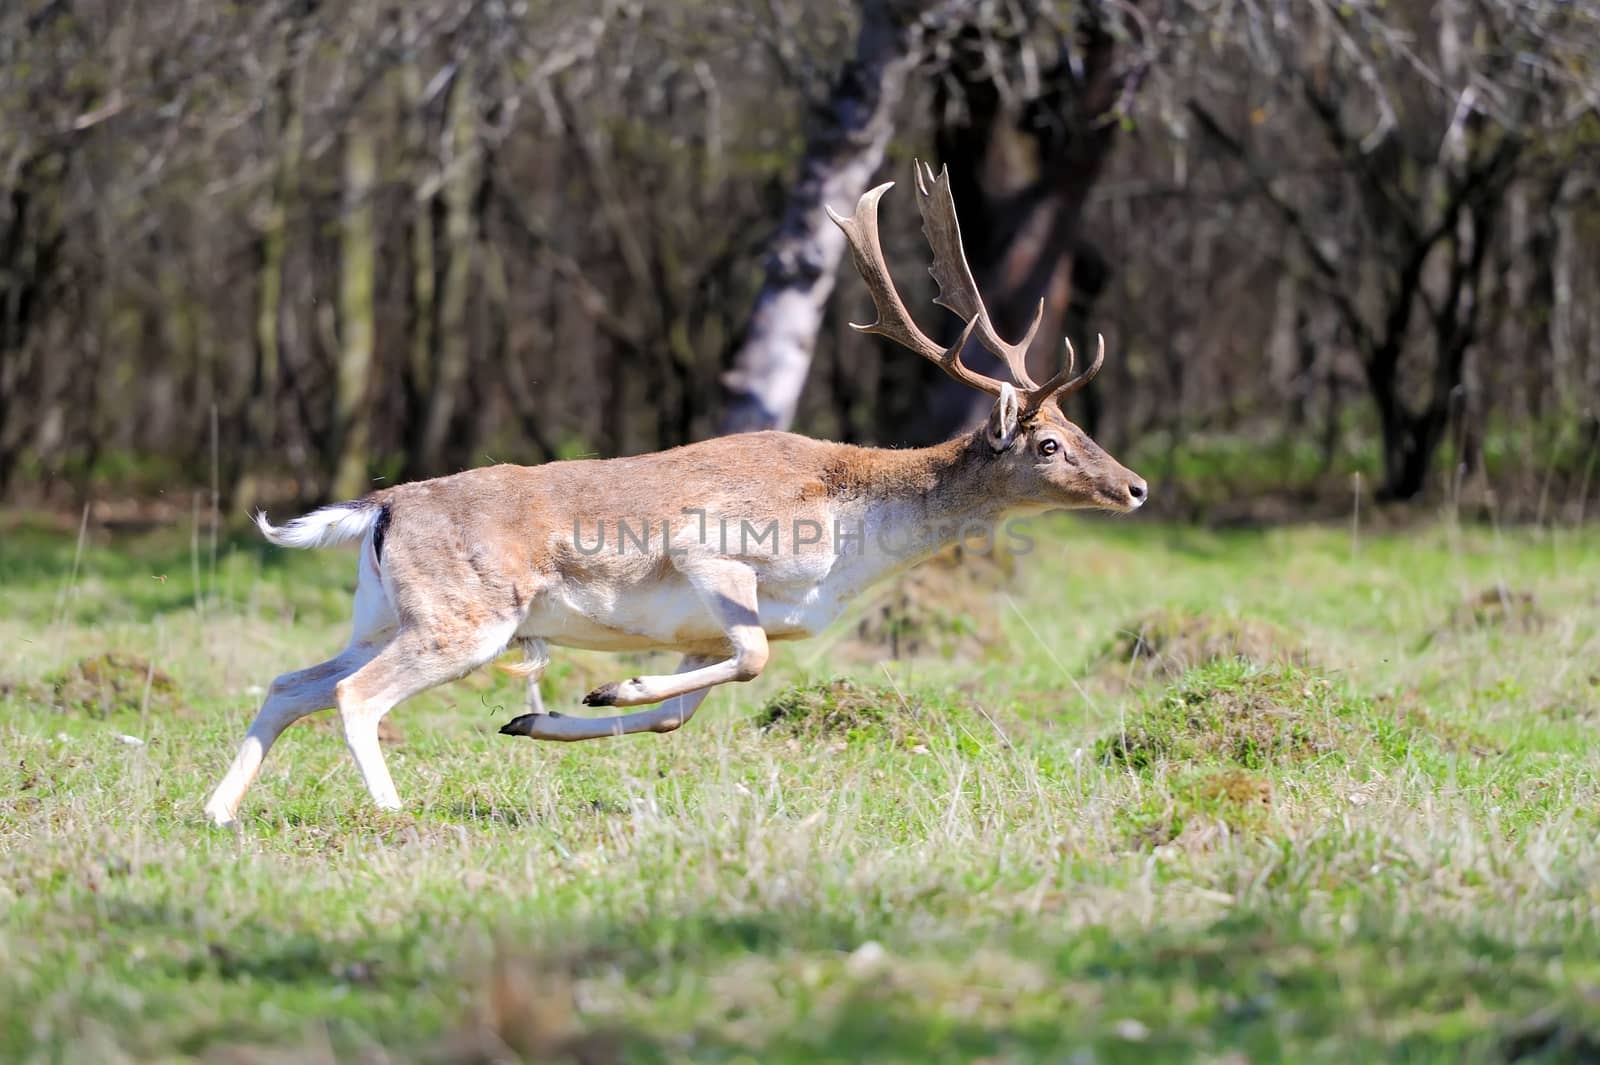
x=1162, y=795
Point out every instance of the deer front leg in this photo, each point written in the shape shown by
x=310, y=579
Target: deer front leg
x=728, y=590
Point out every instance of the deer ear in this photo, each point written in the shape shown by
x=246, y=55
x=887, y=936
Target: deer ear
x=1001, y=429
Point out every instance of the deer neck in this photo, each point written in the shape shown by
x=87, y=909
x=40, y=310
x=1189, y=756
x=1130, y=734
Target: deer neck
x=920, y=500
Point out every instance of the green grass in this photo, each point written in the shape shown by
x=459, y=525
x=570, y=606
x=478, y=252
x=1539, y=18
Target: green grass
x=1354, y=815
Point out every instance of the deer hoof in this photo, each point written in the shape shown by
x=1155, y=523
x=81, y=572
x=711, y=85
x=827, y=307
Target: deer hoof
x=605, y=695
x=220, y=816
x=525, y=725
x=517, y=726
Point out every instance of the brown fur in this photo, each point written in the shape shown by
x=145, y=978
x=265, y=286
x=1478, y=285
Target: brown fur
x=487, y=539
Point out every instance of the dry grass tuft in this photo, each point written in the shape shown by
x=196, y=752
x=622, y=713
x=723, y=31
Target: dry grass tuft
x=530, y=1014
x=1236, y=787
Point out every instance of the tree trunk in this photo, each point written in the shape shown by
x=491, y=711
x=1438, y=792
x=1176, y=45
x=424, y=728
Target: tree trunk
x=460, y=238
x=33, y=274
x=1567, y=243
x=1021, y=182
x=421, y=303
x=1409, y=443
x=261, y=412
x=357, y=261
x=762, y=389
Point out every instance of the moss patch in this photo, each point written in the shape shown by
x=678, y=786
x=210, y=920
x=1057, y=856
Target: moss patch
x=1235, y=713
x=1202, y=809
x=843, y=709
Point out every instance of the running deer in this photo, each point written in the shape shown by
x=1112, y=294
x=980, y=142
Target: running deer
x=713, y=550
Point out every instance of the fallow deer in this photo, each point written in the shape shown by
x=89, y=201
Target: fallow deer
x=655, y=552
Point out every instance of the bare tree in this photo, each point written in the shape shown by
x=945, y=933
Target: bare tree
x=1027, y=121
x=1423, y=135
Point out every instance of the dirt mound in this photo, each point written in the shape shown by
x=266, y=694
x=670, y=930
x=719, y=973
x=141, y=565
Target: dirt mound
x=1497, y=607
x=1163, y=644
x=1407, y=711
x=110, y=683
x=843, y=709
x=944, y=607
x=1235, y=713
x=1202, y=810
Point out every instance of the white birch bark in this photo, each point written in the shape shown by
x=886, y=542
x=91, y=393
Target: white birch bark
x=762, y=388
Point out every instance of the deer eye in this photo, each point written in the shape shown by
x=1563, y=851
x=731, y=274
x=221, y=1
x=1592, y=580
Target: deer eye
x=1048, y=447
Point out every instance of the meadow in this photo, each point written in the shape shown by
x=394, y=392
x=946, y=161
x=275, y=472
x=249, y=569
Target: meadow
x=1149, y=793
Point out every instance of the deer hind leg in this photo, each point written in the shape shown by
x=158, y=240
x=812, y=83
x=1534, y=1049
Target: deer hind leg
x=418, y=658
x=535, y=659
x=296, y=695
x=667, y=717
x=289, y=698
x=727, y=590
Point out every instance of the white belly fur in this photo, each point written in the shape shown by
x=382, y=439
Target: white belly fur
x=792, y=602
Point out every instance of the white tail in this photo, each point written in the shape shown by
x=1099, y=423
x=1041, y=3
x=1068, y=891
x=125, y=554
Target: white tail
x=334, y=524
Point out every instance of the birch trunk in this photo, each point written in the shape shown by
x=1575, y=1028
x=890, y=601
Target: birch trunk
x=762, y=388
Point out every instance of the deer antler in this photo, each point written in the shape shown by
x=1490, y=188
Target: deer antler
x=894, y=321
x=957, y=292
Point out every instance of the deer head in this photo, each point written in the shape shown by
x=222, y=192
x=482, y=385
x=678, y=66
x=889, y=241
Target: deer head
x=1041, y=458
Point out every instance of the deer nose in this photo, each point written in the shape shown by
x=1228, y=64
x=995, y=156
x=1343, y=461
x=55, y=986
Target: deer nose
x=1137, y=490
